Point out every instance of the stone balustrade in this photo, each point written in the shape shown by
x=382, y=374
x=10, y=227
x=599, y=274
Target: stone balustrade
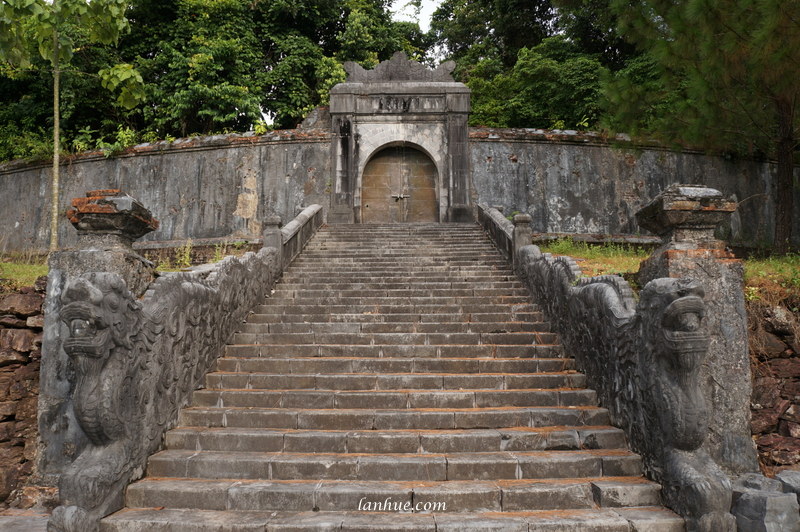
x=125, y=347
x=671, y=367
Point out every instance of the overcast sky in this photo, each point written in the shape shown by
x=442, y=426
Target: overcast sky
x=403, y=12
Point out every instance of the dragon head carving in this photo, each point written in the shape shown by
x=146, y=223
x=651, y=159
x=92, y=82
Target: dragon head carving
x=103, y=323
x=676, y=342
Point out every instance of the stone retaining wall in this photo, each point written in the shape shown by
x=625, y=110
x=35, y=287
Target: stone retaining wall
x=581, y=182
x=220, y=187
x=225, y=187
x=775, y=359
x=21, y=322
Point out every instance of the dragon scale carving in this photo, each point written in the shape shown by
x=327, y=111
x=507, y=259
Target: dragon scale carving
x=133, y=365
x=643, y=360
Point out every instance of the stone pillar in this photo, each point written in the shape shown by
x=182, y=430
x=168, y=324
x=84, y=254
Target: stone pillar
x=108, y=222
x=273, y=238
x=522, y=235
x=685, y=216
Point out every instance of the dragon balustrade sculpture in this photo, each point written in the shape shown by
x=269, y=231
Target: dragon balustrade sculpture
x=643, y=359
x=134, y=363
x=119, y=364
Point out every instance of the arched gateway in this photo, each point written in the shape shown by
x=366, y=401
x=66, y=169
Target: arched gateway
x=399, y=148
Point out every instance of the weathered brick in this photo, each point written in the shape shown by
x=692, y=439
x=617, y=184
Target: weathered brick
x=23, y=305
x=10, y=357
x=21, y=340
x=8, y=409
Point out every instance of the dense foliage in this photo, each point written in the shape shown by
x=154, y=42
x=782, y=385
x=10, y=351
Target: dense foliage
x=729, y=72
x=206, y=66
x=719, y=75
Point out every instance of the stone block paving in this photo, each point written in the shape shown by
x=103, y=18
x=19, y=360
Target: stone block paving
x=398, y=378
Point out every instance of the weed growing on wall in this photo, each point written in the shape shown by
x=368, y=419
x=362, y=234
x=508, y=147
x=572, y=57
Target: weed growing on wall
x=183, y=255
x=774, y=279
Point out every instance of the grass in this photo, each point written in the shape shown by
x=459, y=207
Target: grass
x=774, y=279
x=771, y=279
x=602, y=259
x=15, y=275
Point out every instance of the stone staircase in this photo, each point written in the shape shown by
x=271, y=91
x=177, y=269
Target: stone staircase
x=400, y=366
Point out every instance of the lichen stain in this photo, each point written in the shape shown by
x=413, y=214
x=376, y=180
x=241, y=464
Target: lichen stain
x=311, y=183
x=246, y=205
x=247, y=200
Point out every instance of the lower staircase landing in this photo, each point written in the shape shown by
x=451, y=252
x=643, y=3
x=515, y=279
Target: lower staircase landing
x=398, y=378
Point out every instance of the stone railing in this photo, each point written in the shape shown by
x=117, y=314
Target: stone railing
x=124, y=349
x=507, y=236
x=671, y=368
x=297, y=232
x=499, y=229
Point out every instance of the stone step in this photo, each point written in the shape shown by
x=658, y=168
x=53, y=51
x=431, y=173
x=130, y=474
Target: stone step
x=650, y=519
x=472, y=260
x=389, y=305
x=396, y=399
x=388, y=419
x=423, y=277
x=416, y=263
x=395, y=350
x=463, y=307
x=330, y=365
x=345, y=253
x=394, y=327
x=395, y=441
x=346, y=249
x=389, y=466
x=452, y=496
x=400, y=293
x=392, y=381
x=321, y=316
x=391, y=284
x=416, y=268
x=405, y=363
x=406, y=339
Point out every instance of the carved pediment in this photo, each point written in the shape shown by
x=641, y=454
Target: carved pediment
x=399, y=68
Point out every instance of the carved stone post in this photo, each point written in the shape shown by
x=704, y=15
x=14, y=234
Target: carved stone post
x=86, y=402
x=686, y=216
x=522, y=234
x=108, y=222
x=273, y=237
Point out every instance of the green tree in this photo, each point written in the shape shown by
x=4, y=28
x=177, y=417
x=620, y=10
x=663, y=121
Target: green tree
x=733, y=66
x=50, y=28
x=592, y=26
x=208, y=66
x=552, y=85
x=474, y=30
x=206, y=74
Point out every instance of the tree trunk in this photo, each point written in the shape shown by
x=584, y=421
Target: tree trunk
x=54, y=186
x=784, y=190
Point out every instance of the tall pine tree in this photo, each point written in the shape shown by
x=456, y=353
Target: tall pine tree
x=734, y=64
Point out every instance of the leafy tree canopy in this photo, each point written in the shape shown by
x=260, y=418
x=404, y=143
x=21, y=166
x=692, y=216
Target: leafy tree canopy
x=552, y=85
x=206, y=66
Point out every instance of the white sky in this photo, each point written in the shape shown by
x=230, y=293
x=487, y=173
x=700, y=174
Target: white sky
x=403, y=12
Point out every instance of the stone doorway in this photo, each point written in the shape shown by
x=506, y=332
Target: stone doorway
x=399, y=185
x=399, y=103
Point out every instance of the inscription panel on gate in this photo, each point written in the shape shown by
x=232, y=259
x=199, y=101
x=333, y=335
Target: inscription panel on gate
x=400, y=104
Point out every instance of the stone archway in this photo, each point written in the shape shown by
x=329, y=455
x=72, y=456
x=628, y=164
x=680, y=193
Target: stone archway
x=399, y=103
x=399, y=184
